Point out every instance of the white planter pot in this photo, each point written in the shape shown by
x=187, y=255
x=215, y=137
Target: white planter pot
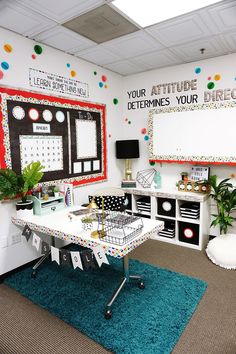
x=24, y=209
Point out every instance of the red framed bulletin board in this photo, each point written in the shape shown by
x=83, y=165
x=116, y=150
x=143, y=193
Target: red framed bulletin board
x=67, y=136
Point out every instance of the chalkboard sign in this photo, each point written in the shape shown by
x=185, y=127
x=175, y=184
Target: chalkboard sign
x=202, y=134
x=67, y=136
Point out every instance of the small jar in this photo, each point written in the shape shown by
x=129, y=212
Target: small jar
x=184, y=176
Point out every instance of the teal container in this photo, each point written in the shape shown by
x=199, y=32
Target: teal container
x=157, y=180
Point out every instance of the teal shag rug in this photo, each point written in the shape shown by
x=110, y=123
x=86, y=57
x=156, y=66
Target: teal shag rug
x=143, y=322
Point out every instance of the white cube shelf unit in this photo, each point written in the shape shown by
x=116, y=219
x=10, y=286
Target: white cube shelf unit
x=186, y=215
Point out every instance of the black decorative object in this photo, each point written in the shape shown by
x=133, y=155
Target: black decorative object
x=166, y=207
x=189, y=233
x=127, y=149
x=110, y=202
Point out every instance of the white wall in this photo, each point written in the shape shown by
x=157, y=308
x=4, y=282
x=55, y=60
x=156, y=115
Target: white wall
x=170, y=172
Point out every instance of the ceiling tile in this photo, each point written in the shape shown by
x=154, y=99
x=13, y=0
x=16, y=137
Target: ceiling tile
x=133, y=44
x=177, y=31
x=157, y=59
x=224, y=15
x=124, y=67
x=21, y=20
x=213, y=46
x=61, y=11
x=64, y=39
x=230, y=40
x=97, y=54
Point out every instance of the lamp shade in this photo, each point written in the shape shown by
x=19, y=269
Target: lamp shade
x=127, y=149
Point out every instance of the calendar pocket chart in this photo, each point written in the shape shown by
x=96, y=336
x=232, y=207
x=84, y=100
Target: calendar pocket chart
x=67, y=136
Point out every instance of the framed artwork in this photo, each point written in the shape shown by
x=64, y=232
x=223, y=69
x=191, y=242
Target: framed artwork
x=67, y=136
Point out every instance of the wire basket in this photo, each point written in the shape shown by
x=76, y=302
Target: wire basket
x=119, y=228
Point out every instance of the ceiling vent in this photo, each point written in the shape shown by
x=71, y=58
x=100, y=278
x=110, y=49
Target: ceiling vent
x=101, y=24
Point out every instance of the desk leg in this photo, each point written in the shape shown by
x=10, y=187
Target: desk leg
x=42, y=259
x=125, y=279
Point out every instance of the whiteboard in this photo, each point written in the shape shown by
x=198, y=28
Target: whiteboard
x=200, y=133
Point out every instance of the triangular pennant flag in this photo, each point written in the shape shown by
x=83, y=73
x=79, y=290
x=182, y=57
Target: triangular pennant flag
x=76, y=260
x=88, y=260
x=45, y=247
x=100, y=255
x=55, y=254
x=36, y=241
x=27, y=232
x=65, y=257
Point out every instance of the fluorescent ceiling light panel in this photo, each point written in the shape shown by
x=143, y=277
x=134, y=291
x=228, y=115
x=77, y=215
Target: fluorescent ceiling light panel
x=149, y=12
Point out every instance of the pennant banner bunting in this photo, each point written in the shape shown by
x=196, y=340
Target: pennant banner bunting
x=88, y=260
x=36, y=241
x=100, y=255
x=45, y=247
x=76, y=260
x=55, y=254
x=84, y=260
x=65, y=258
x=27, y=232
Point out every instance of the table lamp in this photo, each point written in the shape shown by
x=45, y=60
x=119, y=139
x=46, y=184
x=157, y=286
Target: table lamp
x=127, y=149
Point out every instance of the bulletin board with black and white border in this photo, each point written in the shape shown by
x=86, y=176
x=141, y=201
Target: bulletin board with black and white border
x=67, y=136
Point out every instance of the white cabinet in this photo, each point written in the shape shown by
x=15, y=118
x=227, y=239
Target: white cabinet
x=186, y=215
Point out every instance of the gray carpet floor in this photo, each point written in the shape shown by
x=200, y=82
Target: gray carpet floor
x=28, y=329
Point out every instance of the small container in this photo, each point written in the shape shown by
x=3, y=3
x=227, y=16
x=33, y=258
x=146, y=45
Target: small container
x=184, y=176
x=157, y=180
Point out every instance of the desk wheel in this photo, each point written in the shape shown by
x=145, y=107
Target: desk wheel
x=34, y=274
x=108, y=314
x=141, y=285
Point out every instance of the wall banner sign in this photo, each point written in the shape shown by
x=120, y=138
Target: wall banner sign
x=57, y=83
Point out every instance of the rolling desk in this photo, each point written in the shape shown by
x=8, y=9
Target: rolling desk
x=59, y=225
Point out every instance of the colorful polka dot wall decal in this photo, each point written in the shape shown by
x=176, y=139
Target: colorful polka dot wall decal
x=115, y=100
x=38, y=49
x=210, y=85
x=129, y=122
x=94, y=73
x=109, y=135
x=143, y=131
x=126, y=119
x=1, y=74
x=106, y=86
x=209, y=78
x=104, y=78
x=146, y=137
x=198, y=70
x=100, y=84
x=33, y=56
x=152, y=163
x=217, y=77
x=7, y=47
x=4, y=65
x=73, y=73
x=68, y=65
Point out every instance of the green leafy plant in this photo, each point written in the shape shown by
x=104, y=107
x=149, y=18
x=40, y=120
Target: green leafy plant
x=56, y=189
x=87, y=219
x=13, y=185
x=224, y=194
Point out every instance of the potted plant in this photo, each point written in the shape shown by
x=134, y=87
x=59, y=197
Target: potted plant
x=221, y=250
x=87, y=223
x=13, y=186
x=224, y=195
x=56, y=191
